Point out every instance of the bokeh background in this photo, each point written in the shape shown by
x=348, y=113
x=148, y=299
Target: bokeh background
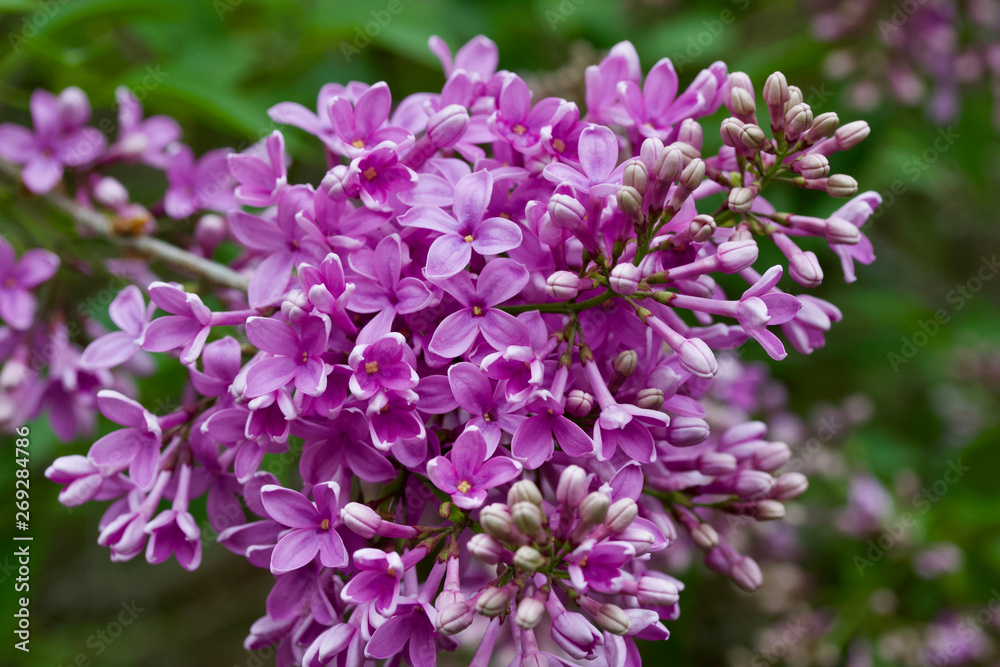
x=905, y=390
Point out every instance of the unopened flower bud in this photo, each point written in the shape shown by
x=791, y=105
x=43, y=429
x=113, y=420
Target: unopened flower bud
x=447, y=126
x=361, y=519
x=650, y=398
x=714, y=463
x=794, y=97
x=529, y=613
x=527, y=517
x=669, y=165
x=649, y=153
x=840, y=231
x=687, y=431
x=841, y=185
x=613, y=618
x=529, y=559
x=690, y=134
x=337, y=184
x=563, y=285
x=494, y=601
x=210, y=231
x=566, y=212
x=497, y=521
x=579, y=403
x=729, y=129
x=775, y=92
x=824, y=125
x=741, y=199
x=621, y=514
x=798, y=119
x=697, y=358
x=524, y=491
x=657, y=591
x=454, y=618
x=791, y=485
x=626, y=362
x=741, y=104
x=769, y=510
x=771, y=456
x=752, y=136
x=746, y=574
x=804, y=269
x=625, y=278
x=572, y=487
x=636, y=176
x=630, y=202
x=110, y=192
x=74, y=107
x=813, y=166
x=852, y=134
x=734, y=256
x=705, y=536
x=693, y=174
x=753, y=484
x=701, y=228
x=594, y=508
x=485, y=548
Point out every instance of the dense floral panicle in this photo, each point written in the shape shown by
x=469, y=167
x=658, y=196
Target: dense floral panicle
x=491, y=336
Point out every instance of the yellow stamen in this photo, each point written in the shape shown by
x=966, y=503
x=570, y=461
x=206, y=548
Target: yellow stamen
x=559, y=145
x=325, y=525
x=550, y=411
x=371, y=367
x=505, y=215
x=520, y=129
x=370, y=173
x=305, y=357
x=464, y=486
x=468, y=238
x=477, y=311
x=486, y=417
x=358, y=143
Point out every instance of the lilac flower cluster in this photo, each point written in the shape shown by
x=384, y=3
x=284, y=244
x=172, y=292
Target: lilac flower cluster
x=489, y=335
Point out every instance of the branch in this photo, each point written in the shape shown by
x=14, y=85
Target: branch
x=152, y=247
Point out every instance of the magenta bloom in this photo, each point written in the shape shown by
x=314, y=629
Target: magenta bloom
x=598, y=566
x=328, y=290
x=136, y=446
x=261, y=174
x=379, y=579
x=519, y=367
x=141, y=139
x=289, y=239
x=857, y=211
x=598, y=159
x=198, y=185
x=379, y=175
x=187, y=327
x=467, y=231
x=387, y=364
x=517, y=123
x=412, y=629
x=468, y=476
x=59, y=139
x=499, y=281
x=490, y=410
x=759, y=307
x=533, y=441
x=379, y=288
x=175, y=532
x=656, y=108
x=312, y=527
x=18, y=278
x=130, y=312
x=478, y=57
x=361, y=126
x=297, y=354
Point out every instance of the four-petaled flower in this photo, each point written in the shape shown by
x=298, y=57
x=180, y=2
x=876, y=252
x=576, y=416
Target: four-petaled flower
x=313, y=527
x=467, y=476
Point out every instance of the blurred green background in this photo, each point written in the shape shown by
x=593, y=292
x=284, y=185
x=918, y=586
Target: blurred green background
x=218, y=65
